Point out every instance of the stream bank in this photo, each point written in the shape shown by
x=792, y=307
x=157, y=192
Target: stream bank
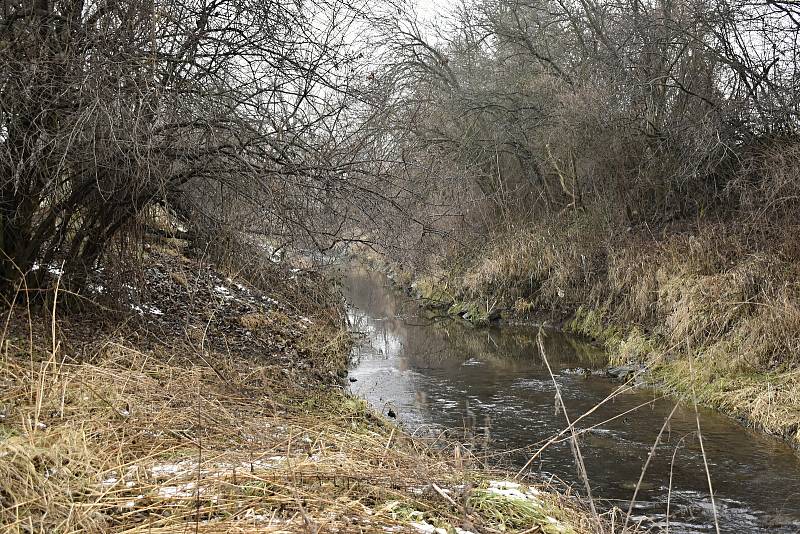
x=209, y=403
x=491, y=389
x=712, y=298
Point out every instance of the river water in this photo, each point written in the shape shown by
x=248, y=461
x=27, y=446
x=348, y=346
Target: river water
x=490, y=388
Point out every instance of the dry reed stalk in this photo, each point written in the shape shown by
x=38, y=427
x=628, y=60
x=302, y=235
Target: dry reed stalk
x=576, y=447
x=700, y=439
x=650, y=456
x=130, y=446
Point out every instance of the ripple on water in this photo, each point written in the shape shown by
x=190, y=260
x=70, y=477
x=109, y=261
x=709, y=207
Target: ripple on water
x=434, y=384
x=692, y=512
x=534, y=384
x=447, y=403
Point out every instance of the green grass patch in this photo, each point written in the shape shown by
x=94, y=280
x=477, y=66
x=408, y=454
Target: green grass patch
x=517, y=509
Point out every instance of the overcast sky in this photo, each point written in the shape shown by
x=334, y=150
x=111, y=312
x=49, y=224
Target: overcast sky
x=427, y=8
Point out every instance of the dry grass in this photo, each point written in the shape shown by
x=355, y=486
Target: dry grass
x=170, y=439
x=253, y=321
x=731, y=294
x=767, y=401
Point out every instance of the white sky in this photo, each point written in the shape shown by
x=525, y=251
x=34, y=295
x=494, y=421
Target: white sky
x=427, y=8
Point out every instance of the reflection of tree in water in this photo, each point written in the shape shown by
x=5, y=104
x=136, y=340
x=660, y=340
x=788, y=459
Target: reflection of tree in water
x=397, y=330
x=516, y=347
x=422, y=342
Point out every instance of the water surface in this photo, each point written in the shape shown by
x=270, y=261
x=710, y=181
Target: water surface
x=491, y=388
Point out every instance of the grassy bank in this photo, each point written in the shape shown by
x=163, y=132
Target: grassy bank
x=713, y=310
x=216, y=406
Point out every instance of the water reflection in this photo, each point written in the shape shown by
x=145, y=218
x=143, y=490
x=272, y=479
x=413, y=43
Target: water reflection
x=490, y=388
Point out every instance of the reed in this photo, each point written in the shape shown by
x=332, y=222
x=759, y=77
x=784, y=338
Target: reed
x=101, y=434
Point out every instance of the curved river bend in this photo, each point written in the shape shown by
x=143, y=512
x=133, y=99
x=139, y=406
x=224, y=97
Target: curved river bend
x=490, y=387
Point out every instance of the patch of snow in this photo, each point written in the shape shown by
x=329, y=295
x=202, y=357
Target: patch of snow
x=166, y=470
x=131, y=504
x=146, y=308
x=182, y=490
x=427, y=528
x=508, y=492
x=513, y=490
x=52, y=268
x=557, y=524
x=222, y=289
x=252, y=516
x=96, y=288
x=264, y=463
x=504, y=484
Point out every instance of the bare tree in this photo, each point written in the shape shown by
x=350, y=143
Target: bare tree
x=226, y=111
x=636, y=110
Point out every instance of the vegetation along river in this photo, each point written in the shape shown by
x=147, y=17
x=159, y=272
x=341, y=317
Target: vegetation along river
x=491, y=388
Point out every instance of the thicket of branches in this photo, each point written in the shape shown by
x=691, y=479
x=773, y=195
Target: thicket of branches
x=232, y=115
x=620, y=112
x=313, y=123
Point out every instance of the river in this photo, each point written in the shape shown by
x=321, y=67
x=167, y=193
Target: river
x=490, y=388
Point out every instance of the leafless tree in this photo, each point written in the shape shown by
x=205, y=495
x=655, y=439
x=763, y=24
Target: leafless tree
x=237, y=114
x=639, y=111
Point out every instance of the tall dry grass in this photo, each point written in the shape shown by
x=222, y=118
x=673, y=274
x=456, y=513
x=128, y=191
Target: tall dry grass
x=98, y=434
x=732, y=290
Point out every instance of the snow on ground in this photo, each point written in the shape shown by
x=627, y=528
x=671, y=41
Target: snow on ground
x=146, y=308
x=427, y=528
